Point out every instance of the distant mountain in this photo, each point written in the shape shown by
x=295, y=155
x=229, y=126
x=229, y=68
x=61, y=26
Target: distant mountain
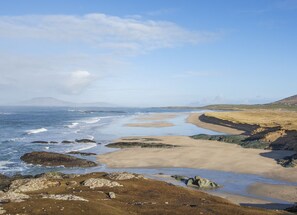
x=292, y=100
x=53, y=102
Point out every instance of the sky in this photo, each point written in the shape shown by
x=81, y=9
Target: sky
x=148, y=52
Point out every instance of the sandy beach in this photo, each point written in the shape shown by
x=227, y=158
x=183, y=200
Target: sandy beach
x=202, y=154
x=194, y=119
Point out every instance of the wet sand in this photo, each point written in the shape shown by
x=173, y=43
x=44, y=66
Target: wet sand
x=194, y=119
x=283, y=192
x=156, y=120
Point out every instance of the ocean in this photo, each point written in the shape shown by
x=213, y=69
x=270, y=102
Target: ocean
x=20, y=126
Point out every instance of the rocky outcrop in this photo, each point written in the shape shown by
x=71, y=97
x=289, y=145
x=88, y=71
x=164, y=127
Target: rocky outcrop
x=6, y=197
x=29, y=185
x=119, y=176
x=55, y=159
x=100, y=182
x=289, y=161
x=203, y=183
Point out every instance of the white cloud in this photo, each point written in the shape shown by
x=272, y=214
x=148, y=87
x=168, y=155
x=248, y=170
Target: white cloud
x=103, y=31
x=78, y=81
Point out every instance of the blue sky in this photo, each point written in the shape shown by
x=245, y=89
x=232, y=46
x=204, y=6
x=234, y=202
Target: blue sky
x=149, y=52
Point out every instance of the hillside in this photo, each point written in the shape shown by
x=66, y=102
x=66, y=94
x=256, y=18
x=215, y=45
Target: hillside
x=292, y=100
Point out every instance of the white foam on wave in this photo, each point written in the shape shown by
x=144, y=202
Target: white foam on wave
x=83, y=147
x=73, y=125
x=36, y=131
x=92, y=120
x=4, y=163
x=5, y=113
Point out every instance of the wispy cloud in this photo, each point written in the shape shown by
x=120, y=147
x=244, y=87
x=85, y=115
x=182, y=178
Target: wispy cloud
x=102, y=31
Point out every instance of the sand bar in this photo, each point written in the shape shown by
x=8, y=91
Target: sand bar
x=150, y=124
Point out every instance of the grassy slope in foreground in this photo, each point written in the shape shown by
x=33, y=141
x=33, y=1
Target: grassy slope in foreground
x=134, y=196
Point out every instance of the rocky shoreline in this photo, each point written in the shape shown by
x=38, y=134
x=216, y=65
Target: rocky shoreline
x=108, y=193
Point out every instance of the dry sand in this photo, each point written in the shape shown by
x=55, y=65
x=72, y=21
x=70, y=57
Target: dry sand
x=194, y=119
x=287, y=193
x=203, y=154
x=150, y=124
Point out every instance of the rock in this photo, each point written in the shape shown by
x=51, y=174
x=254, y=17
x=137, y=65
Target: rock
x=85, y=141
x=81, y=153
x=65, y=197
x=55, y=159
x=67, y=141
x=29, y=185
x=140, y=144
x=202, y=183
x=5, y=181
x=2, y=211
x=112, y=195
x=40, y=141
x=289, y=161
x=71, y=183
x=52, y=175
x=119, y=176
x=13, y=197
x=53, y=142
x=190, y=182
x=180, y=178
x=100, y=182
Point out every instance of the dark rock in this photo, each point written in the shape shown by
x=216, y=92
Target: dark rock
x=5, y=181
x=53, y=142
x=67, y=141
x=202, y=183
x=40, y=141
x=289, y=161
x=180, y=178
x=85, y=141
x=81, y=153
x=140, y=144
x=55, y=159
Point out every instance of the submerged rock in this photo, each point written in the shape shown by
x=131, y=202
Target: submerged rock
x=67, y=141
x=100, y=182
x=40, y=141
x=180, y=178
x=85, y=141
x=55, y=159
x=81, y=153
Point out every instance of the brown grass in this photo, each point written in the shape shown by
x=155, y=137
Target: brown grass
x=264, y=118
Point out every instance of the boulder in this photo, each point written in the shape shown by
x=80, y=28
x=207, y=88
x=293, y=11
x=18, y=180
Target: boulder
x=180, y=178
x=201, y=183
x=52, y=175
x=100, y=182
x=55, y=159
x=111, y=195
x=85, y=141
